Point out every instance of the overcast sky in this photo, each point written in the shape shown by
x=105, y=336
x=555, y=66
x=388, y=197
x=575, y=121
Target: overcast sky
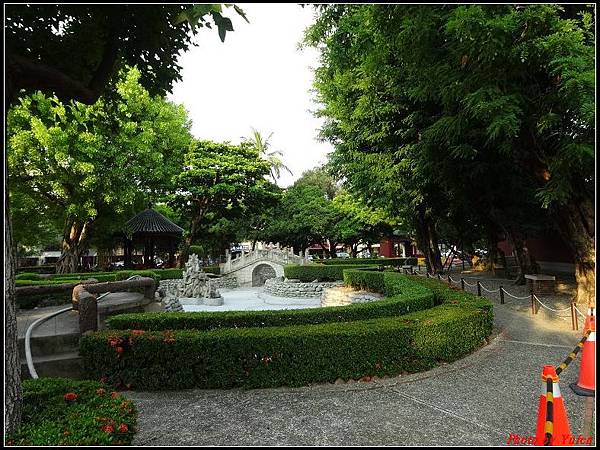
x=257, y=78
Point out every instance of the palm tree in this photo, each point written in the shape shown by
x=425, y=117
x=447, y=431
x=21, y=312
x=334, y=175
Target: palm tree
x=274, y=157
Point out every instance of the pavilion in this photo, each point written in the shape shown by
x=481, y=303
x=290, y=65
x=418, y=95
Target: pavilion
x=155, y=233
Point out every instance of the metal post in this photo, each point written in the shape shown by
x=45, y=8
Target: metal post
x=462, y=283
x=501, y=296
x=532, y=304
x=439, y=277
x=449, y=280
x=574, y=317
x=478, y=289
x=427, y=275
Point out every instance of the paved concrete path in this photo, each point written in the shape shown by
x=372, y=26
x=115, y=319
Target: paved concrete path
x=479, y=400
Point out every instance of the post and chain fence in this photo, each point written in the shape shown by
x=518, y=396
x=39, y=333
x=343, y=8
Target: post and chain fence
x=535, y=302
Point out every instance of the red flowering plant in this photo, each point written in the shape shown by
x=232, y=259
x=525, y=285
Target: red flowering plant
x=70, y=396
x=50, y=424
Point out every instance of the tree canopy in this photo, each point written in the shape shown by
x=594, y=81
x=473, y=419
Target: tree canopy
x=434, y=110
x=90, y=161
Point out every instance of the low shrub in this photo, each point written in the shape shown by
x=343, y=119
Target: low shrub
x=28, y=276
x=60, y=411
x=311, y=272
x=283, y=356
x=212, y=269
x=45, y=269
x=169, y=274
x=396, y=262
x=41, y=300
x=125, y=274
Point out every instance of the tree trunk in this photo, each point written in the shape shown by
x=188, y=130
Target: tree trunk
x=73, y=245
x=13, y=398
x=524, y=261
x=427, y=241
x=576, y=224
x=332, y=248
x=12, y=364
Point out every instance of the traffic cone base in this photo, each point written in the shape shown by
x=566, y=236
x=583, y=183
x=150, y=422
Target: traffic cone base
x=582, y=391
x=586, y=385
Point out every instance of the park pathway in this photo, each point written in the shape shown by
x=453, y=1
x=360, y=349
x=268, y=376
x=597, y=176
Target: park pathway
x=478, y=400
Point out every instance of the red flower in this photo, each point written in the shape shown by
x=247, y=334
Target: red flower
x=137, y=332
x=123, y=428
x=108, y=428
x=70, y=396
x=119, y=350
x=66, y=433
x=114, y=394
x=101, y=392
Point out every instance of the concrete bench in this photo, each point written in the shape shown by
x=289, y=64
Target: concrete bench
x=540, y=283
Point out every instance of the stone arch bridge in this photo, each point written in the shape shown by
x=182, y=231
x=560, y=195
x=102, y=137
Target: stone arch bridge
x=254, y=268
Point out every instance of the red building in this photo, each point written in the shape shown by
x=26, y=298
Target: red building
x=395, y=246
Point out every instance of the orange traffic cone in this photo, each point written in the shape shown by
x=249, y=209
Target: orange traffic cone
x=586, y=385
x=552, y=422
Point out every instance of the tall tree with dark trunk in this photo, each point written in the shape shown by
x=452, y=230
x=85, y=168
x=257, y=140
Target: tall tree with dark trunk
x=72, y=51
x=412, y=87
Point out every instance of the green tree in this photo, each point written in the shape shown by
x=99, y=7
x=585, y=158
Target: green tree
x=414, y=92
x=220, y=181
x=72, y=51
x=89, y=160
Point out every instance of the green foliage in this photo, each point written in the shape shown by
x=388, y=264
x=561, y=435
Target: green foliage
x=226, y=354
x=91, y=166
x=460, y=120
x=395, y=262
x=221, y=181
x=311, y=272
x=49, y=419
x=28, y=276
x=94, y=39
x=125, y=274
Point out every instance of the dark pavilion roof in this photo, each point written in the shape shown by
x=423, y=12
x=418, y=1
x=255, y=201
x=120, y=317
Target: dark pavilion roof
x=152, y=222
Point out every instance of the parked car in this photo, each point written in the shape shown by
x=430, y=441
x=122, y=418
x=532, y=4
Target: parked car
x=342, y=255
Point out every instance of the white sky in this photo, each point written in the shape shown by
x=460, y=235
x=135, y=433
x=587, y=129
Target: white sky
x=256, y=78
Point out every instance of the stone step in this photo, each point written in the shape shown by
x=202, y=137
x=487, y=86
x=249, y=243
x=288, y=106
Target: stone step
x=50, y=345
x=63, y=365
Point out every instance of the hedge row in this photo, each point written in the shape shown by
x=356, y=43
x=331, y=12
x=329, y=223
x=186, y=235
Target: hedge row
x=92, y=416
x=32, y=279
x=413, y=298
x=276, y=356
x=311, y=272
x=224, y=356
x=396, y=262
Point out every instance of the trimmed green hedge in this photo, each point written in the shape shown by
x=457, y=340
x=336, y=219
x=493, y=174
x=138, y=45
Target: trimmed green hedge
x=94, y=417
x=401, y=333
x=311, y=272
x=28, y=276
x=157, y=274
x=396, y=262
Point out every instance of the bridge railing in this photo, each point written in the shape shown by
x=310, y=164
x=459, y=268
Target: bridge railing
x=281, y=256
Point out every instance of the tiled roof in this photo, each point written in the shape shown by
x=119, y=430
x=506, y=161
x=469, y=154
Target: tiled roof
x=150, y=221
